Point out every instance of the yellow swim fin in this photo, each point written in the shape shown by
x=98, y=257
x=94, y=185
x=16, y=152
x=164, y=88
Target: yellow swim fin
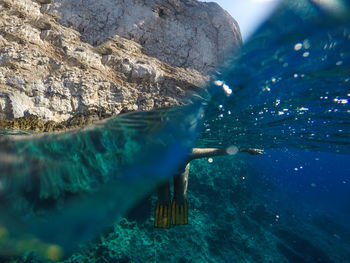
x=179, y=213
x=162, y=216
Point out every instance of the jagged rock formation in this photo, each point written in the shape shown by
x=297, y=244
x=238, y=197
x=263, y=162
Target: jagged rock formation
x=57, y=58
x=182, y=33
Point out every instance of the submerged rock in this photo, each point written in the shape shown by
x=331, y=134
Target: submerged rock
x=32, y=122
x=60, y=59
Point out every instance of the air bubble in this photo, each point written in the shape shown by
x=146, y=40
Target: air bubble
x=298, y=46
x=218, y=83
x=232, y=150
x=339, y=63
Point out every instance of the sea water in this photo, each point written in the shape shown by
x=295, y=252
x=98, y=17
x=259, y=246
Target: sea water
x=287, y=91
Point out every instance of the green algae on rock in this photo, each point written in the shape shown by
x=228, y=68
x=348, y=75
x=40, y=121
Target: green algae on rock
x=34, y=123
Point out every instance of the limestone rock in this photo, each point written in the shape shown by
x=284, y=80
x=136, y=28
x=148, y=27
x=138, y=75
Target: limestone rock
x=54, y=65
x=182, y=33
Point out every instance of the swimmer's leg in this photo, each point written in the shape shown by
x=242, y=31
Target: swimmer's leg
x=162, y=215
x=179, y=210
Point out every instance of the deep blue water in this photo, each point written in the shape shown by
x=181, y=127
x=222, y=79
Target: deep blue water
x=290, y=96
x=287, y=91
x=315, y=182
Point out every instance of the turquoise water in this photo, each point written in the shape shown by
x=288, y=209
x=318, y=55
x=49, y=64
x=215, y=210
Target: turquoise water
x=66, y=187
x=286, y=91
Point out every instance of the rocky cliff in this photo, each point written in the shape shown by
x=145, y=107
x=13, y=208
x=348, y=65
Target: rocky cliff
x=62, y=58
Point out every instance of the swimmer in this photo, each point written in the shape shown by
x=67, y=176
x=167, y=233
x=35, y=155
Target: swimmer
x=176, y=212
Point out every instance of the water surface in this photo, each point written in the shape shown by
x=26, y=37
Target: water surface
x=286, y=91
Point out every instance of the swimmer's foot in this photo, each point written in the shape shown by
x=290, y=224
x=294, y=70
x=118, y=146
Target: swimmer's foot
x=179, y=213
x=162, y=216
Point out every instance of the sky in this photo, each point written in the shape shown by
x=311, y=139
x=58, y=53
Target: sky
x=248, y=13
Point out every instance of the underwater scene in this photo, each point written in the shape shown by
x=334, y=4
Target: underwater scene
x=89, y=195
